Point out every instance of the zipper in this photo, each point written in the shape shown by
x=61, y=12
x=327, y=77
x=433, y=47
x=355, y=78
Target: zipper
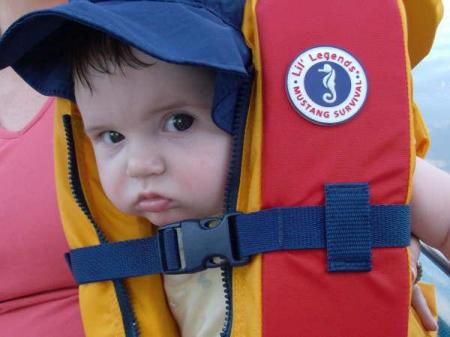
x=238, y=128
x=128, y=316
x=232, y=188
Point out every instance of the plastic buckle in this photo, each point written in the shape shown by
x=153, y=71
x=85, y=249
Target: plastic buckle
x=205, y=243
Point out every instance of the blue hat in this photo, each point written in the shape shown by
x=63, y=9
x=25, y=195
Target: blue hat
x=195, y=32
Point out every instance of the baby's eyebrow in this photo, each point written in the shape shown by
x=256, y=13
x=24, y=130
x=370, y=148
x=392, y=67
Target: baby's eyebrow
x=94, y=128
x=179, y=103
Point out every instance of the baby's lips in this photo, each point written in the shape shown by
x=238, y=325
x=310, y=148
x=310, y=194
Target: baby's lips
x=152, y=203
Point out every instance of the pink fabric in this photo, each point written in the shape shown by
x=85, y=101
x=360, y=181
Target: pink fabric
x=38, y=296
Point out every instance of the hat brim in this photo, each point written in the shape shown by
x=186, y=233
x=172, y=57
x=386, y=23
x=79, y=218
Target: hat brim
x=171, y=31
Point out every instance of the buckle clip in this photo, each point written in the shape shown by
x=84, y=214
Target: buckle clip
x=205, y=243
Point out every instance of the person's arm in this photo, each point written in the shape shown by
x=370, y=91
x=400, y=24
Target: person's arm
x=430, y=206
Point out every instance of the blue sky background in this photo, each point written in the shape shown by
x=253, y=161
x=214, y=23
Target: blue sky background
x=432, y=93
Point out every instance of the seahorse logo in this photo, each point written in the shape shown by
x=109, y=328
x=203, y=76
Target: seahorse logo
x=329, y=82
x=326, y=85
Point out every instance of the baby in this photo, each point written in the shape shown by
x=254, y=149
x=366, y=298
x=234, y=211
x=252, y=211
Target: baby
x=159, y=154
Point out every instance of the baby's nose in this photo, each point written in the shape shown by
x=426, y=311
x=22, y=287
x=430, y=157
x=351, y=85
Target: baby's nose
x=143, y=167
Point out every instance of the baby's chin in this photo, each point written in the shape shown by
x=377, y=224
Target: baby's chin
x=160, y=219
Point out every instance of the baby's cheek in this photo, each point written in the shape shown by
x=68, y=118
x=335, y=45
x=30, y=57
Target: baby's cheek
x=191, y=182
x=199, y=178
x=214, y=182
x=115, y=191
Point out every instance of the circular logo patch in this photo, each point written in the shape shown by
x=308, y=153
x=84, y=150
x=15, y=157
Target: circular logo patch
x=326, y=85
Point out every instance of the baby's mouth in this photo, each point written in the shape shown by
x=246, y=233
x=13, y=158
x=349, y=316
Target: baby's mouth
x=152, y=203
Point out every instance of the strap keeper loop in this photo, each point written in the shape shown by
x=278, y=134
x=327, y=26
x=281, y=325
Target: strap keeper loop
x=348, y=227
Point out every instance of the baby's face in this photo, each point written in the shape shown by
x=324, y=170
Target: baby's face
x=158, y=152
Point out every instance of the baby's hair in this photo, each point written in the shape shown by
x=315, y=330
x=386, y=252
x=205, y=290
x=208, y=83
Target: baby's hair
x=93, y=50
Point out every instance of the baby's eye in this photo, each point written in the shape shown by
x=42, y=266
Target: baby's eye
x=179, y=122
x=112, y=137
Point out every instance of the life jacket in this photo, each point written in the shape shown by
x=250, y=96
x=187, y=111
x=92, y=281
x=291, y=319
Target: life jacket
x=290, y=156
